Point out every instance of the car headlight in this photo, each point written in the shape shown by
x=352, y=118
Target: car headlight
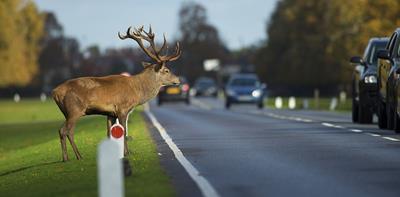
x=230, y=92
x=256, y=93
x=370, y=79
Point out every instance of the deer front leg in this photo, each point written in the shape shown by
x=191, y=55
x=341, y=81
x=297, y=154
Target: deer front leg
x=122, y=119
x=110, y=122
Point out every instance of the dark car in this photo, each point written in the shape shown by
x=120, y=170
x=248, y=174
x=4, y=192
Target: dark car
x=205, y=87
x=364, y=83
x=388, y=83
x=244, y=88
x=175, y=92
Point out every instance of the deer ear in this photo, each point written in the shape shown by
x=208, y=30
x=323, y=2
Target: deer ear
x=158, y=67
x=146, y=64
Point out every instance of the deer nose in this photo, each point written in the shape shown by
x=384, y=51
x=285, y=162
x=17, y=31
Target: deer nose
x=177, y=81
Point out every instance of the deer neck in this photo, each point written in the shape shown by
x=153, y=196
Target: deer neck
x=146, y=85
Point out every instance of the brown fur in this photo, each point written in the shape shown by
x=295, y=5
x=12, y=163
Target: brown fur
x=113, y=96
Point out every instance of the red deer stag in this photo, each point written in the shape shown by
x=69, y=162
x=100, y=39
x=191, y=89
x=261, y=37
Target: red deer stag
x=114, y=96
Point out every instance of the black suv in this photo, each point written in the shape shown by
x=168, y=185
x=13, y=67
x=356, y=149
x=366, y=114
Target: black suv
x=388, y=83
x=364, y=85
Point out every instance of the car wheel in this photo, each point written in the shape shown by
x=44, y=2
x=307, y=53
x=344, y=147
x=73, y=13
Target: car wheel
x=382, y=122
x=389, y=116
x=355, y=111
x=260, y=105
x=396, y=120
x=364, y=115
x=187, y=101
x=227, y=104
x=159, y=102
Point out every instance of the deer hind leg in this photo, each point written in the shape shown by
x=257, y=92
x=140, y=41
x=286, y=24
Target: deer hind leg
x=63, y=133
x=70, y=135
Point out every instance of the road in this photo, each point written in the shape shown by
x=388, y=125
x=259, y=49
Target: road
x=249, y=152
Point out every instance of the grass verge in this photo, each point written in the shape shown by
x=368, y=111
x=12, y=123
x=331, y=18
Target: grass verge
x=323, y=103
x=30, y=154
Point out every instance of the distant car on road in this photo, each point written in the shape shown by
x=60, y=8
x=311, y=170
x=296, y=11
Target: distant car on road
x=175, y=92
x=388, y=84
x=205, y=86
x=364, y=82
x=244, y=88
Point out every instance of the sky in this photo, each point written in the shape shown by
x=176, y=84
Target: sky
x=239, y=22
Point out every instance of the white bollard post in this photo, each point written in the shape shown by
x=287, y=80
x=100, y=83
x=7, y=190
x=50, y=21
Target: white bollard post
x=305, y=104
x=17, y=98
x=117, y=134
x=43, y=97
x=333, y=104
x=342, y=96
x=109, y=170
x=292, y=102
x=278, y=102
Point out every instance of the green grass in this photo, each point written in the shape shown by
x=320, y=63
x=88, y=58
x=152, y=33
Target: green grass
x=323, y=104
x=30, y=154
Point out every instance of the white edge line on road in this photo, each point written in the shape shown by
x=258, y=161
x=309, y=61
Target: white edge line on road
x=205, y=187
x=374, y=135
x=391, y=139
x=356, y=130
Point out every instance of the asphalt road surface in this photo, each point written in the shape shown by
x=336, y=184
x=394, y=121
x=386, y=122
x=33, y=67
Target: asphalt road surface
x=249, y=152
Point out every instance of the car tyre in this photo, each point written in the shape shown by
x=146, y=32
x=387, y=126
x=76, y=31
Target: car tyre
x=260, y=105
x=396, y=120
x=364, y=115
x=389, y=117
x=159, y=102
x=227, y=104
x=382, y=122
x=355, y=111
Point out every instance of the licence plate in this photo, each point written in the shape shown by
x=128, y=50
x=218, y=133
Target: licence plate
x=245, y=98
x=173, y=90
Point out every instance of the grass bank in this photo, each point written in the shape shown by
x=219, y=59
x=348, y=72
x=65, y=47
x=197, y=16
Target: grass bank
x=30, y=154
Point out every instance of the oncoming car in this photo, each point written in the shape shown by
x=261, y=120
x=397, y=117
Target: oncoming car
x=244, y=88
x=175, y=92
x=365, y=85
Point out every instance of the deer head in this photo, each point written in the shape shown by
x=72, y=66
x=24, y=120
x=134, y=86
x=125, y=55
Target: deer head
x=163, y=74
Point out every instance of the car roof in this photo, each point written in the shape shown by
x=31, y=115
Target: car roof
x=379, y=39
x=246, y=75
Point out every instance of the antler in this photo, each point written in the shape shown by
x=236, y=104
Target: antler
x=139, y=34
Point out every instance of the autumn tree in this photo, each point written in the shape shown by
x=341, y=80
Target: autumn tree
x=309, y=42
x=199, y=40
x=22, y=28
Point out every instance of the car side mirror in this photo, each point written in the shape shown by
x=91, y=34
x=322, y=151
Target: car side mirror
x=383, y=54
x=357, y=60
x=263, y=86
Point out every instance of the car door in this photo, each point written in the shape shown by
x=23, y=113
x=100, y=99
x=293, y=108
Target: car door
x=384, y=68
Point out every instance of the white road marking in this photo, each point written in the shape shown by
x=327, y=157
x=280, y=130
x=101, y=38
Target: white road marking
x=205, y=187
x=391, y=139
x=373, y=134
x=327, y=124
x=356, y=130
x=201, y=104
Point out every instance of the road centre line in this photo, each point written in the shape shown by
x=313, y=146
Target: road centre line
x=298, y=119
x=205, y=187
x=373, y=134
x=391, y=139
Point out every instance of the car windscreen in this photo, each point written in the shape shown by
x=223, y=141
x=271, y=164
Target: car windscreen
x=205, y=83
x=244, y=82
x=372, y=55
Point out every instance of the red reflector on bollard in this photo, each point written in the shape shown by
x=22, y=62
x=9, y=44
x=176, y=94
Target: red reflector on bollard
x=117, y=131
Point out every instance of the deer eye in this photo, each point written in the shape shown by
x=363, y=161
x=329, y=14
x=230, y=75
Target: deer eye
x=166, y=71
